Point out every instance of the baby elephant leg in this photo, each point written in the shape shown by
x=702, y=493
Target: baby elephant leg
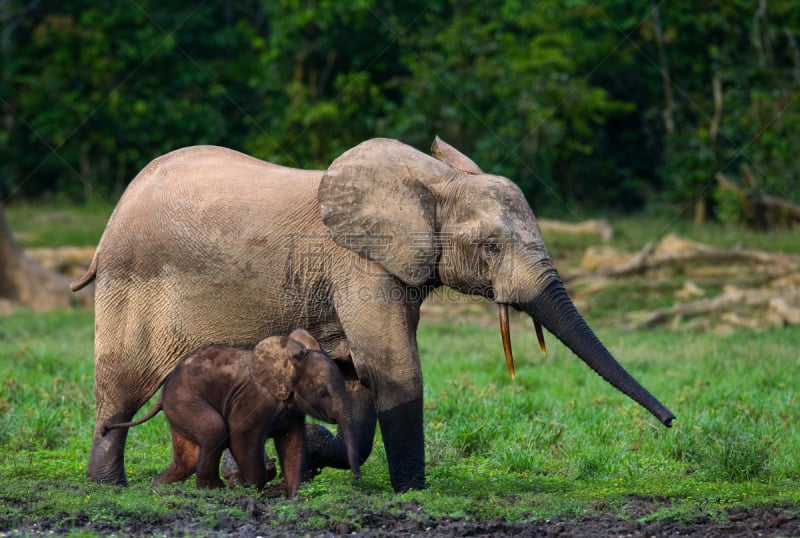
x=248, y=451
x=291, y=448
x=185, y=454
x=213, y=443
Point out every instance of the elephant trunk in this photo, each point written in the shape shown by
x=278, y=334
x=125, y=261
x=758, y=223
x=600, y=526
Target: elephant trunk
x=554, y=309
x=347, y=432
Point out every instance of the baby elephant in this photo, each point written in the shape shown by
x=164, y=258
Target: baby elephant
x=222, y=397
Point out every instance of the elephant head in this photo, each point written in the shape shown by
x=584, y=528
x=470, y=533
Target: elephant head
x=431, y=221
x=295, y=370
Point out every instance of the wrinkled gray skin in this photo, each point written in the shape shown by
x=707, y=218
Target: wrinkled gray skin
x=210, y=245
x=222, y=397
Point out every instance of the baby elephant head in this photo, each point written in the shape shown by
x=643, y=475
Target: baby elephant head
x=294, y=369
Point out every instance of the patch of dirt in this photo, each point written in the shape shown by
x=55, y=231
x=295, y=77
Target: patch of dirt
x=411, y=520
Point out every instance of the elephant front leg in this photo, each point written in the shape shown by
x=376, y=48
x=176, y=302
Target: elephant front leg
x=381, y=334
x=328, y=450
x=247, y=449
x=403, y=439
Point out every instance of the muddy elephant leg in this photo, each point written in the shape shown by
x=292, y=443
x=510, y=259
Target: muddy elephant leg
x=403, y=439
x=230, y=469
x=107, y=457
x=118, y=397
x=290, y=446
x=327, y=450
x=185, y=455
x=381, y=334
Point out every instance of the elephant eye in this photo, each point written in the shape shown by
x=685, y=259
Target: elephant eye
x=491, y=248
x=322, y=393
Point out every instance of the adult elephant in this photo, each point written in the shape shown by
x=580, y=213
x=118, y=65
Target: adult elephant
x=208, y=245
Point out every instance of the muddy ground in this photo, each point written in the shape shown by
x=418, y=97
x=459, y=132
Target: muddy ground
x=415, y=521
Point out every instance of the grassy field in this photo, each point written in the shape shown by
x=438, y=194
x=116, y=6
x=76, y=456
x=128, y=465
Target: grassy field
x=558, y=441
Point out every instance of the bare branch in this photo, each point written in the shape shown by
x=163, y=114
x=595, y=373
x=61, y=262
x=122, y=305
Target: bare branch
x=795, y=53
x=716, y=118
x=666, y=114
x=758, y=16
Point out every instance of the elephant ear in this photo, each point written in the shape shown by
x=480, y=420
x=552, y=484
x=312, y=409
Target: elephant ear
x=305, y=338
x=376, y=200
x=274, y=365
x=450, y=155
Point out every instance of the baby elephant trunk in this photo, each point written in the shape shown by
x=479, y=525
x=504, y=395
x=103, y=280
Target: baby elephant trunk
x=345, y=424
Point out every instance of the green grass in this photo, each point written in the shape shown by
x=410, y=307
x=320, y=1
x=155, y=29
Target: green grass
x=558, y=441
x=49, y=224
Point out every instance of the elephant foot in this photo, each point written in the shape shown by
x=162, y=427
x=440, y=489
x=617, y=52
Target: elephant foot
x=106, y=460
x=401, y=428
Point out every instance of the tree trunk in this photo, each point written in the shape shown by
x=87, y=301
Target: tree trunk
x=25, y=282
x=666, y=82
x=700, y=210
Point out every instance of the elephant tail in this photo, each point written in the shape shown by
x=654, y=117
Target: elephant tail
x=156, y=408
x=88, y=276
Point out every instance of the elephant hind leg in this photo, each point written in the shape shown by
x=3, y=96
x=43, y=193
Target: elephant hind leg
x=213, y=442
x=185, y=455
x=119, y=393
x=107, y=457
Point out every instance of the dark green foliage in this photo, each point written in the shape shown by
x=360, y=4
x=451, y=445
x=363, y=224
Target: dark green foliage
x=567, y=99
x=754, y=55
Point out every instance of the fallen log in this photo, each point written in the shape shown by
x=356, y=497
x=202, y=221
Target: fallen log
x=673, y=251
x=763, y=211
x=780, y=304
x=760, y=288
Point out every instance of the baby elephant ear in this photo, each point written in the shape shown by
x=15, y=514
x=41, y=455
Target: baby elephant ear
x=377, y=200
x=273, y=365
x=305, y=338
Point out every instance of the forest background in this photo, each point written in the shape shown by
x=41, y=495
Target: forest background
x=592, y=107
x=601, y=104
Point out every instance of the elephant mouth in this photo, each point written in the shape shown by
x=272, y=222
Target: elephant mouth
x=505, y=332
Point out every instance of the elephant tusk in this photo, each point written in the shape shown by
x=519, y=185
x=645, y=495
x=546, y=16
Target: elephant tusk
x=540, y=336
x=504, y=331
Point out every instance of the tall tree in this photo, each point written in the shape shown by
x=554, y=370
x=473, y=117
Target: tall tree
x=506, y=83
x=579, y=102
